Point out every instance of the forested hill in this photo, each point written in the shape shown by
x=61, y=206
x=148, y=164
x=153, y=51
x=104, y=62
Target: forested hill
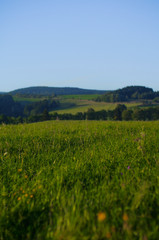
x=47, y=91
x=9, y=107
x=129, y=94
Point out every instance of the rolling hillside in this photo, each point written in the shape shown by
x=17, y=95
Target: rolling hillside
x=130, y=93
x=48, y=91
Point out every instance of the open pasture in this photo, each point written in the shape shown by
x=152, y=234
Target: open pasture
x=80, y=96
x=79, y=180
x=74, y=106
x=27, y=99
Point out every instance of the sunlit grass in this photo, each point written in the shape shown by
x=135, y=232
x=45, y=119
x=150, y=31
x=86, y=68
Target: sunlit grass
x=79, y=180
x=75, y=105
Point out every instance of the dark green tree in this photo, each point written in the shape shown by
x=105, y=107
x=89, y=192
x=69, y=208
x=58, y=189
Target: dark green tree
x=90, y=114
x=127, y=115
x=118, y=111
x=45, y=115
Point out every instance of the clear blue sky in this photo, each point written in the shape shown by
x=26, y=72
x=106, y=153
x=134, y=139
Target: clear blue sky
x=95, y=44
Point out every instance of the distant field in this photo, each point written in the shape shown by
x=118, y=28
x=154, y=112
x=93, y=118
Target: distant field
x=62, y=97
x=80, y=103
x=80, y=97
x=23, y=99
x=79, y=180
x=75, y=105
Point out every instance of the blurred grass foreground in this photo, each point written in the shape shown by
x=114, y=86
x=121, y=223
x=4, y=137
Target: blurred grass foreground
x=79, y=180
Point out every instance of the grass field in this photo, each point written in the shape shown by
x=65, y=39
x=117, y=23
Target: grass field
x=76, y=105
x=27, y=99
x=81, y=103
x=80, y=96
x=79, y=180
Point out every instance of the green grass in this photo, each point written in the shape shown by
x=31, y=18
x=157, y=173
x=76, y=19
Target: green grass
x=79, y=180
x=80, y=96
x=27, y=99
x=78, y=103
x=75, y=105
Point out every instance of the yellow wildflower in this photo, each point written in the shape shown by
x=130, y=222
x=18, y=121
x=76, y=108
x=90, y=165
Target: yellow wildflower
x=125, y=217
x=19, y=198
x=101, y=216
x=19, y=170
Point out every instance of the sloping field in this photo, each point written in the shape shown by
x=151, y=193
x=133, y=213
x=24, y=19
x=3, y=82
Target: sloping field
x=79, y=180
x=77, y=105
x=27, y=99
x=81, y=96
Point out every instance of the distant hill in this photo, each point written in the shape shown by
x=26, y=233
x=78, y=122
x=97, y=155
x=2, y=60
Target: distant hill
x=48, y=91
x=130, y=93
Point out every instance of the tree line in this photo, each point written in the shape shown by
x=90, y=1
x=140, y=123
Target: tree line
x=120, y=113
x=10, y=108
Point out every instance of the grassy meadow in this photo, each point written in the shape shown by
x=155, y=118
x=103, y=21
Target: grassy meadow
x=80, y=96
x=73, y=106
x=27, y=99
x=77, y=103
x=68, y=180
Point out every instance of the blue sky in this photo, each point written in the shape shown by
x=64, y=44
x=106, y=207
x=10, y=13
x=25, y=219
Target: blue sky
x=95, y=44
